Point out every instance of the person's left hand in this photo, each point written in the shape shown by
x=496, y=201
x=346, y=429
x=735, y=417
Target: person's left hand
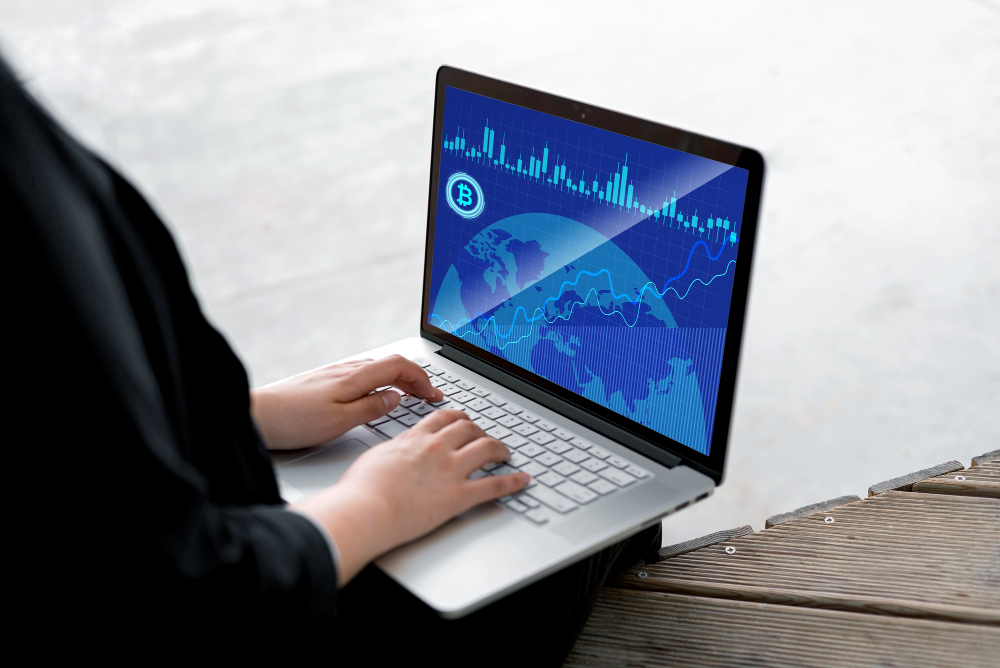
x=319, y=405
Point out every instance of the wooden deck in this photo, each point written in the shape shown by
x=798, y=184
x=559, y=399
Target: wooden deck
x=909, y=576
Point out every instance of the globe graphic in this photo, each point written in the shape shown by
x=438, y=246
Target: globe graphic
x=558, y=298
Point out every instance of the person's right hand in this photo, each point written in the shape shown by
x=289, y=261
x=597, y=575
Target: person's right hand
x=404, y=488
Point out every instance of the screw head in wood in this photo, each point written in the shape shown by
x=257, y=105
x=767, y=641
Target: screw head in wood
x=960, y=478
x=641, y=575
x=730, y=550
x=829, y=520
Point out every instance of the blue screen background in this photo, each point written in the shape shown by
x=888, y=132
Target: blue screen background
x=597, y=261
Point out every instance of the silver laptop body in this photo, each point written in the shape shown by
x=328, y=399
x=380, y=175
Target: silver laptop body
x=598, y=476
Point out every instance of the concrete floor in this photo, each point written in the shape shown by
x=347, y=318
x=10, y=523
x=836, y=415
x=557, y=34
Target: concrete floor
x=287, y=145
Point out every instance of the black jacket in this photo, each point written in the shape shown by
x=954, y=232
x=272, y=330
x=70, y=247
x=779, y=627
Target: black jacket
x=146, y=487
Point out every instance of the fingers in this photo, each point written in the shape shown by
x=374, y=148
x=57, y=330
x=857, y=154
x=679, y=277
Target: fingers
x=438, y=420
x=459, y=433
x=493, y=487
x=393, y=370
x=371, y=406
x=479, y=452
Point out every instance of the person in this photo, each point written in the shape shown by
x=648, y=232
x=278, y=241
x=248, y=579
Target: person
x=160, y=499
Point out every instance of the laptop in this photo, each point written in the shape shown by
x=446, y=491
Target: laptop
x=584, y=296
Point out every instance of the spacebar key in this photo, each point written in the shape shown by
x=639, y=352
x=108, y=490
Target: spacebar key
x=391, y=429
x=552, y=499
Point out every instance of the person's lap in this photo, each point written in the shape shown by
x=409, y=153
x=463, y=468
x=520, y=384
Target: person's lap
x=536, y=625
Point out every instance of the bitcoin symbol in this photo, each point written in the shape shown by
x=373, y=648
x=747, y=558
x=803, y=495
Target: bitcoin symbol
x=458, y=192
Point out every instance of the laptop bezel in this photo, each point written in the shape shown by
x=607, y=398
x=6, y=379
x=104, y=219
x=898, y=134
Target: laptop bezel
x=611, y=424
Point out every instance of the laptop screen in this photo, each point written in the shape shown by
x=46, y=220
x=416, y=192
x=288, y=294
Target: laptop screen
x=597, y=261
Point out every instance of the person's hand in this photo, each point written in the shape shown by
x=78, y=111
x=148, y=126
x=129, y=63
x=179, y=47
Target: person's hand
x=404, y=488
x=319, y=405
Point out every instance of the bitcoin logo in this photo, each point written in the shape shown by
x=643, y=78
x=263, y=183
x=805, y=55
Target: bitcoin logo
x=464, y=195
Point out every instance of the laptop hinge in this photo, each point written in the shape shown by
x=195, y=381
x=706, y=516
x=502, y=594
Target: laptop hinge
x=574, y=413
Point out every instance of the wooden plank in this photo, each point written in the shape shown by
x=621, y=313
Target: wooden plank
x=671, y=551
x=986, y=458
x=640, y=628
x=898, y=553
x=811, y=509
x=905, y=483
x=982, y=480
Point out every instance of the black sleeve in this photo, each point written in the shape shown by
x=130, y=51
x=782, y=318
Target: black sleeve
x=146, y=485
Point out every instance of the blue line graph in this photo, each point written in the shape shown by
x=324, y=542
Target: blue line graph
x=539, y=312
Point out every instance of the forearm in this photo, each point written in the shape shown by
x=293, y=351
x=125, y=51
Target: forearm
x=355, y=521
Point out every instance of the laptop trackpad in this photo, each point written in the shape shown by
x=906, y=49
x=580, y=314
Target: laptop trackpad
x=307, y=475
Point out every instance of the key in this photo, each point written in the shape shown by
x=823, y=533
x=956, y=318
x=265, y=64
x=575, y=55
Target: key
x=528, y=417
x=410, y=420
x=545, y=425
x=398, y=412
x=409, y=400
x=534, y=469
x=473, y=415
x=480, y=405
x=506, y=420
x=496, y=431
x=514, y=440
x=536, y=516
x=580, y=443
x=551, y=479
x=451, y=406
x=575, y=456
x=480, y=392
x=579, y=494
x=541, y=438
x=378, y=420
x=448, y=389
x=492, y=412
x=565, y=468
x=518, y=460
x=593, y=465
x=497, y=399
x=615, y=460
x=525, y=429
x=485, y=423
x=450, y=377
x=489, y=466
x=436, y=370
x=516, y=506
x=558, y=447
x=463, y=397
x=552, y=499
x=583, y=477
x=477, y=474
x=598, y=452
x=391, y=429
x=563, y=434
x=620, y=478
x=465, y=385
x=548, y=459
x=636, y=471
x=528, y=501
x=602, y=487
x=503, y=469
x=513, y=409
x=437, y=381
x=422, y=408
x=532, y=450
x=421, y=362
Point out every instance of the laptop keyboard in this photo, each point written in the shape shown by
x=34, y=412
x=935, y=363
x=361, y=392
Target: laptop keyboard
x=567, y=472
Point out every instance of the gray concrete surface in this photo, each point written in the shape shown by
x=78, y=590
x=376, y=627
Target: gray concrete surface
x=287, y=143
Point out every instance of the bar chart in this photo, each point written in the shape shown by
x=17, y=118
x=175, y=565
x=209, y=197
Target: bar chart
x=611, y=189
